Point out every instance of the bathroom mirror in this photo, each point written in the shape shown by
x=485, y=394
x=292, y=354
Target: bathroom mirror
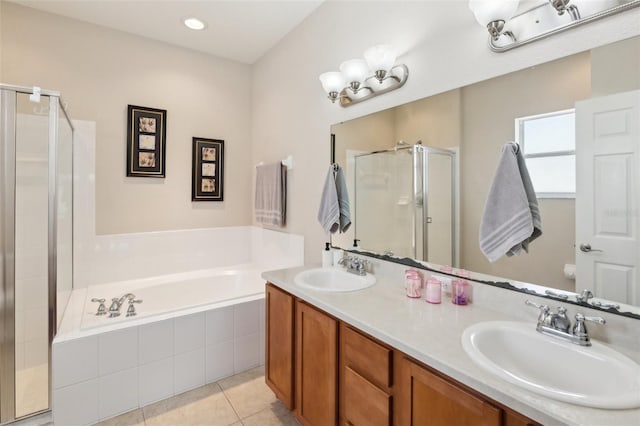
x=475, y=121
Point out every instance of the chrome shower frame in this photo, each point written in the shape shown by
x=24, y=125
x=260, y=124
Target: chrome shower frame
x=8, y=134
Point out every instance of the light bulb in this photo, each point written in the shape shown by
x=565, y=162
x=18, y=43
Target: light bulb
x=332, y=81
x=380, y=57
x=354, y=71
x=487, y=11
x=194, y=24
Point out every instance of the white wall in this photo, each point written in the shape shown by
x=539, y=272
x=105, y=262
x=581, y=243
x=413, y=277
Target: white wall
x=290, y=114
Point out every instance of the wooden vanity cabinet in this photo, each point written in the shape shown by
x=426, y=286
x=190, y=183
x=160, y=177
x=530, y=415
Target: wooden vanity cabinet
x=366, y=379
x=279, y=344
x=429, y=398
x=327, y=372
x=316, y=366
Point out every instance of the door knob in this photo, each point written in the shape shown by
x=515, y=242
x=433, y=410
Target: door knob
x=587, y=248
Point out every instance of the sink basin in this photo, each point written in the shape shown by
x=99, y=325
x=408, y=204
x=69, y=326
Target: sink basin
x=333, y=279
x=595, y=376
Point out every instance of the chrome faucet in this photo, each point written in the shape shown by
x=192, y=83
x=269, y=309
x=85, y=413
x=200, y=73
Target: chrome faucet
x=354, y=264
x=559, y=325
x=116, y=303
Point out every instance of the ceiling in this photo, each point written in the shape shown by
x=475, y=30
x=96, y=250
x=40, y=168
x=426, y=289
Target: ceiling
x=240, y=30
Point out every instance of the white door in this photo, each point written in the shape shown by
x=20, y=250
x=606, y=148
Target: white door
x=607, y=197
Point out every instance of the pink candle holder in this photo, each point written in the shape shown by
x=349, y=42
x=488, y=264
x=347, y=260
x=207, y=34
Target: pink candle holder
x=413, y=283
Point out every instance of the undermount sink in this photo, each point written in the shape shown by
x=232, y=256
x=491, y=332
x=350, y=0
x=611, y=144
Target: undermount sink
x=595, y=376
x=333, y=279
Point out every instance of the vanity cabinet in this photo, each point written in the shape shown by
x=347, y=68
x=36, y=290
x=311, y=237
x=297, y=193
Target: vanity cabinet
x=316, y=366
x=426, y=397
x=279, y=344
x=366, y=379
x=328, y=372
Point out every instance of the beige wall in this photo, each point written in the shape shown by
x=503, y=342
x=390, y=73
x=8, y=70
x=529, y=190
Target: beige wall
x=99, y=71
x=434, y=120
x=485, y=129
x=606, y=78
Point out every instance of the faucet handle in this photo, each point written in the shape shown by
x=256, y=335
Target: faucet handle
x=584, y=296
x=102, y=309
x=543, y=318
x=599, y=320
x=580, y=329
x=544, y=308
x=131, y=311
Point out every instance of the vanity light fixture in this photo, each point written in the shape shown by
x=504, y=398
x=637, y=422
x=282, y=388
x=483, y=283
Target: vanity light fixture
x=194, y=24
x=510, y=26
x=360, y=79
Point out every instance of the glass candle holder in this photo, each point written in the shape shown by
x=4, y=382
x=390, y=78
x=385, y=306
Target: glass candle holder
x=459, y=292
x=433, y=291
x=413, y=284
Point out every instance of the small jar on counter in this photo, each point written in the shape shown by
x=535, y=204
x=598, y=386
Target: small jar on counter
x=413, y=283
x=433, y=290
x=459, y=292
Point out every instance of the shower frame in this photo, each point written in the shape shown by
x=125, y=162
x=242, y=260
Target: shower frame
x=8, y=141
x=420, y=159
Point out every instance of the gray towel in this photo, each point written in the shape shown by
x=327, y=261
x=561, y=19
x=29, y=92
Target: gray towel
x=343, y=200
x=511, y=218
x=329, y=211
x=271, y=194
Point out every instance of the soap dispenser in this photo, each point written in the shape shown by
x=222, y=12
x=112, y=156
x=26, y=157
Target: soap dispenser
x=327, y=256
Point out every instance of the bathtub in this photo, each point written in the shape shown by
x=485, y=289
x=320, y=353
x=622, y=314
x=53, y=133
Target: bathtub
x=172, y=295
x=192, y=328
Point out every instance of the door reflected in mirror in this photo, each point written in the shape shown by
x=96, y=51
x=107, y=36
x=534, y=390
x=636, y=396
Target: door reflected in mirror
x=474, y=122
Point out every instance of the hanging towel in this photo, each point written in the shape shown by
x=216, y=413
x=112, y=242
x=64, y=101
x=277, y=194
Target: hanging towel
x=271, y=194
x=511, y=218
x=343, y=200
x=329, y=211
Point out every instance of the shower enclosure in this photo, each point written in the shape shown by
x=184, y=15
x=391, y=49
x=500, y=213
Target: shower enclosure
x=36, y=243
x=405, y=203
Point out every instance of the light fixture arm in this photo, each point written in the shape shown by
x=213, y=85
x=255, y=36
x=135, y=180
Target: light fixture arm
x=578, y=21
x=396, y=78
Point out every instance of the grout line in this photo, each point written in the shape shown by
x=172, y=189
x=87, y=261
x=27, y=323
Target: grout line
x=229, y=401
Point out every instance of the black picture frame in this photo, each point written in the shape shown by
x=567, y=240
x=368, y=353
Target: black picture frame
x=146, y=141
x=207, y=170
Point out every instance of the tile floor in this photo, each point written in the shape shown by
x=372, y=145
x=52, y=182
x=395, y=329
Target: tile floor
x=243, y=399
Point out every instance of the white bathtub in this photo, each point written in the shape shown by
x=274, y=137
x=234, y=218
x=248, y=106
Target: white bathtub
x=172, y=295
x=192, y=328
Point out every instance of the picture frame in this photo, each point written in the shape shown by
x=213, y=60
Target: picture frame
x=146, y=141
x=207, y=170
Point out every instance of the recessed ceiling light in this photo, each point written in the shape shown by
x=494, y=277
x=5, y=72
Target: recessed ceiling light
x=194, y=24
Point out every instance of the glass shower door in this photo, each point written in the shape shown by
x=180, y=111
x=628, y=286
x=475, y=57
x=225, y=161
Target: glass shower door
x=384, y=202
x=36, y=243
x=31, y=256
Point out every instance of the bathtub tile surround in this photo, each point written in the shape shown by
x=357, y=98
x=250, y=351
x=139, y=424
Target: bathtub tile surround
x=117, y=351
x=156, y=361
x=120, y=257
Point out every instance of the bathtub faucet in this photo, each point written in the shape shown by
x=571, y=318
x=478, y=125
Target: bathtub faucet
x=116, y=303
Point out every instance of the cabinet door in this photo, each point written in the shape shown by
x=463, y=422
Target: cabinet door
x=428, y=399
x=316, y=366
x=364, y=403
x=279, y=366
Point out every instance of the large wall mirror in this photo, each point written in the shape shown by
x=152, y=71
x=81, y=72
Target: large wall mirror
x=405, y=206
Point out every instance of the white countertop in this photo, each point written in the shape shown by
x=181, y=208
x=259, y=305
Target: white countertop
x=432, y=335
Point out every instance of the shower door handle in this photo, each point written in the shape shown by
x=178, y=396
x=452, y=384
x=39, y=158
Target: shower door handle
x=429, y=219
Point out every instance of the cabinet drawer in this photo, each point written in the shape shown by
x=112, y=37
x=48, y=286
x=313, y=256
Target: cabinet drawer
x=366, y=357
x=364, y=403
